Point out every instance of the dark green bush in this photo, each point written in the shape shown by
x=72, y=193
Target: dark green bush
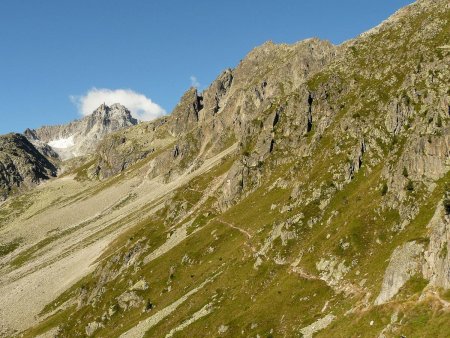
x=405, y=172
x=447, y=206
x=384, y=189
x=439, y=121
x=410, y=186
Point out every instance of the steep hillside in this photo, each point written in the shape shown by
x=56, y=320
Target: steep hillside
x=304, y=193
x=21, y=164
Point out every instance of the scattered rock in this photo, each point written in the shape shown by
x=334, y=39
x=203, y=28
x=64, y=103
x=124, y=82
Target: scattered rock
x=92, y=327
x=140, y=285
x=404, y=263
x=222, y=329
x=318, y=325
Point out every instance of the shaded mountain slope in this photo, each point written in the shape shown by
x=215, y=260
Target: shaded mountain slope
x=21, y=164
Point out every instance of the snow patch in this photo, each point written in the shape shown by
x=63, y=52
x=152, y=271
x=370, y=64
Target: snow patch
x=62, y=143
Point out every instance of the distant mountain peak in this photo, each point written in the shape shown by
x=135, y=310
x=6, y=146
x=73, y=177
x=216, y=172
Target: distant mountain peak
x=80, y=137
x=114, y=110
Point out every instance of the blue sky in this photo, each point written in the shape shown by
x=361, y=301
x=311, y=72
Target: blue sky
x=52, y=51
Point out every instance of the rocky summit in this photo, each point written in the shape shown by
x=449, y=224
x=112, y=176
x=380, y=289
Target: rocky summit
x=81, y=137
x=306, y=192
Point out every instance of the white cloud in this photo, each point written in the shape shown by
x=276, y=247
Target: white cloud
x=194, y=82
x=140, y=106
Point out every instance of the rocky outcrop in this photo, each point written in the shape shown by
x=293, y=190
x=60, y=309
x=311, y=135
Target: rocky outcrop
x=92, y=327
x=436, y=267
x=405, y=261
x=118, y=151
x=116, y=154
x=21, y=164
x=318, y=325
x=427, y=157
x=212, y=97
x=185, y=115
x=332, y=271
x=399, y=111
x=233, y=186
x=129, y=300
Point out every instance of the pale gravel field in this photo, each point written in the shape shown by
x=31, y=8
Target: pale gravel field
x=24, y=291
